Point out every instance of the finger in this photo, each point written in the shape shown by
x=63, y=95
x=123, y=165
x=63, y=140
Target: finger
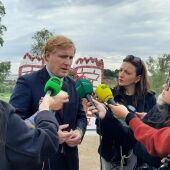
x=94, y=111
x=114, y=105
x=65, y=97
x=61, y=127
x=84, y=100
x=88, y=104
x=96, y=102
x=67, y=136
x=91, y=108
x=65, y=100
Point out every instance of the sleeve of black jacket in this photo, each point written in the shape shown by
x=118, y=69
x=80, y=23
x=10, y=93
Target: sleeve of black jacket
x=113, y=128
x=29, y=146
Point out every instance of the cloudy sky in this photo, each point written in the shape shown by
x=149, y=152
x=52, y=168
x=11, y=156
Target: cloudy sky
x=108, y=29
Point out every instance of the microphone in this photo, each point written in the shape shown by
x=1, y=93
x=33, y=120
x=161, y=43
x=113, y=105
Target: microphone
x=84, y=89
x=104, y=93
x=53, y=86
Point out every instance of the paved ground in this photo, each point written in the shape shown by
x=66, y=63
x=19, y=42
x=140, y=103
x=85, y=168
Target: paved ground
x=89, y=158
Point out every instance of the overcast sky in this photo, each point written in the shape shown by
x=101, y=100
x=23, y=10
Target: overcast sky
x=108, y=29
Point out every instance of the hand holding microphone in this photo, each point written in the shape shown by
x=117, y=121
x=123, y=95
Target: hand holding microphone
x=120, y=111
x=85, y=90
x=52, y=87
x=99, y=108
x=59, y=97
x=104, y=93
x=54, y=102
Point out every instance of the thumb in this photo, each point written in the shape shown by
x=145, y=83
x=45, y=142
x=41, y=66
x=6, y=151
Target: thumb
x=112, y=106
x=61, y=127
x=140, y=114
x=95, y=102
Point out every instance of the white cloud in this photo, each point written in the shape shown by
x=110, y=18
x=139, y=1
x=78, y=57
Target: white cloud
x=105, y=29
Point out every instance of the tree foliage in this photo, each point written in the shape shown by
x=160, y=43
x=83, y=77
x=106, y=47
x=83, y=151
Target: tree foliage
x=4, y=70
x=160, y=64
x=40, y=38
x=2, y=27
x=111, y=74
x=158, y=68
x=110, y=77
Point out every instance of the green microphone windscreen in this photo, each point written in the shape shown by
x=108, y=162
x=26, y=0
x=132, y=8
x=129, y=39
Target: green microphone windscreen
x=54, y=85
x=83, y=87
x=104, y=93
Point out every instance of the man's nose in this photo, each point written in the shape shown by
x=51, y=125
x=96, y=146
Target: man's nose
x=68, y=61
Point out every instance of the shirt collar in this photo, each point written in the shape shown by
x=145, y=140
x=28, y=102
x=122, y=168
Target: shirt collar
x=51, y=74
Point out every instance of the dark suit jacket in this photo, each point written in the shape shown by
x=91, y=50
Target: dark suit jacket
x=25, y=98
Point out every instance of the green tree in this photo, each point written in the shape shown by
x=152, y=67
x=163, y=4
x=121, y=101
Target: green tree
x=160, y=64
x=110, y=77
x=40, y=38
x=4, y=70
x=111, y=74
x=2, y=27
x=158, y=68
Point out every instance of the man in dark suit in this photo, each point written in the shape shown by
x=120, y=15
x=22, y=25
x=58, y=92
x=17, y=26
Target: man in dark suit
x=58, y=53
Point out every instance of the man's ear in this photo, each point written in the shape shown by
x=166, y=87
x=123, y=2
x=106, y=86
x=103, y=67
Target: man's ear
x=46, y=56
x=138, y=78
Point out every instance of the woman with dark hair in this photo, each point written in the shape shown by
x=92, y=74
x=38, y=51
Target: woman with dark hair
x=133, y=91
x=133, y=81
x=158, y=117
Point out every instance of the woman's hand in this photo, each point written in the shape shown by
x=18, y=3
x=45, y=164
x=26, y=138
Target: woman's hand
x=98, y=108
x=120, y=111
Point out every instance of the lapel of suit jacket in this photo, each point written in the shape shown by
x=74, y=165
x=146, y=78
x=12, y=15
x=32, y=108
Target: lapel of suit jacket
x=60, y=115
x=69, y=109
x=44, y=76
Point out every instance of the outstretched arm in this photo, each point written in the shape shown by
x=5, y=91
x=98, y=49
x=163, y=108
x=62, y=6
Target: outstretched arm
x=155, y=140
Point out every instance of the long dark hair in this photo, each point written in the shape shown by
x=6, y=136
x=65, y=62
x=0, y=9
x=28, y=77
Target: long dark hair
x=142, y=86
x=159, y=116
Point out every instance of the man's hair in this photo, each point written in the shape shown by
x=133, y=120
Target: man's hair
x=58, y=42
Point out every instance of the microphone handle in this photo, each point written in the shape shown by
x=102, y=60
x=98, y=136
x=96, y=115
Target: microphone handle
x=111, y=101
x=49, y=92
x=90, y=99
